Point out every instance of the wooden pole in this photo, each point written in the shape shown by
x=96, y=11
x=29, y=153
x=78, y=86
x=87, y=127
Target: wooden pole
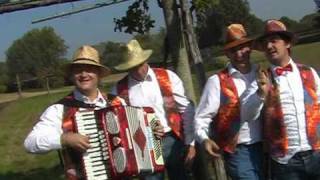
x=47, y=84
x=192, y=44
x=18, y=86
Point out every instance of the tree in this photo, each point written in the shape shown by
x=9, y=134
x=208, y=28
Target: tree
x=175, y=41
x=109, y=52
x=137, y=18
x=290, y=23
x=39, y=53
x=308, y=21
x=3, y=77
x=213, y=18
x=181, y=45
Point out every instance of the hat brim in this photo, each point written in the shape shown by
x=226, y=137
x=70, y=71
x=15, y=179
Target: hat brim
x=286, y=34
x=134, y=61
x=104, y=71
x=236, y=43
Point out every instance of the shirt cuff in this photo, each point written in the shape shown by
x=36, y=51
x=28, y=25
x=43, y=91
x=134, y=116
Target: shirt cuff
x=189, y=140
x=201, y=137
x=192, y=143
x=55, y=142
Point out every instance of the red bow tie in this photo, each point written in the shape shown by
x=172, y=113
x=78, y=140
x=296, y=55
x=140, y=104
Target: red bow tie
x=280, y=70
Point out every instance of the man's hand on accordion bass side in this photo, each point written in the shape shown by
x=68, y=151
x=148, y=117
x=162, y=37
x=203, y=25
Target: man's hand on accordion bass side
x=158, y=130
x=76, y=141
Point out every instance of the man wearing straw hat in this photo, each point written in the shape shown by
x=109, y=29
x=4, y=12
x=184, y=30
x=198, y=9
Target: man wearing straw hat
x=54, y=130
x=220, y=112
x=289, y=94
x=163, y=91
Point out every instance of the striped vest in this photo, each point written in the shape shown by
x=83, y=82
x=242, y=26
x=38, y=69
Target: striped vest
x=226, y=124
x=275, y=131
x=169, y=104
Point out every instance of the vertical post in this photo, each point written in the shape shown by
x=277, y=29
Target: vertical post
x=192, y=44
x=195, y=55
x=47, y=84
x=18, y=86
x=177, y=48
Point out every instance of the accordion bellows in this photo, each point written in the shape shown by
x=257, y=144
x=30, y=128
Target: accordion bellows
x=122, y=142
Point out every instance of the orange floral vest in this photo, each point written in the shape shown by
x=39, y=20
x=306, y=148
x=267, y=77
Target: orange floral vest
x=172, y=113
x=274, y=128
x=226, y=124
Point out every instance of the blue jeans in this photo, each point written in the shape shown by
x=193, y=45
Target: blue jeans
x=302, y=166
x=173, y=154
x=245, y=163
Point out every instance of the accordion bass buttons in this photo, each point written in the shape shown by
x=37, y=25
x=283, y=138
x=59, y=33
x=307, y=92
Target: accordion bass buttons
x=120, y=159
x=113, y=123
x=116, y=141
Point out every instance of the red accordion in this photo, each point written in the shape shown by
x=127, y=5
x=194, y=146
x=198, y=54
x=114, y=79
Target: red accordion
x=122, y=142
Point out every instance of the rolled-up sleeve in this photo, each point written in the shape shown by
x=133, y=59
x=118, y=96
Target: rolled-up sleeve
x=207, y=108
x=45, y=135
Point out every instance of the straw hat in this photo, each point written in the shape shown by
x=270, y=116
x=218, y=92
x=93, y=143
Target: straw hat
x=272, y=27
x=235, y=36
x=134, y=55
x=90, y=56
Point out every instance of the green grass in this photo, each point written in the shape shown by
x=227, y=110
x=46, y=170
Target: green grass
x=17, y=120
x=308, y=54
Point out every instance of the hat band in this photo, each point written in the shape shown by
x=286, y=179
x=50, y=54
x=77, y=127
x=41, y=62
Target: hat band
x=79, y=59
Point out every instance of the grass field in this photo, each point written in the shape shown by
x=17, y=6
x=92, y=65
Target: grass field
x=17, y=118
x=16, y=121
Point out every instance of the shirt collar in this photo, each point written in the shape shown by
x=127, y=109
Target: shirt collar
x=273, y=67
x=234, y=72
x=99, y=101
x=148, y=76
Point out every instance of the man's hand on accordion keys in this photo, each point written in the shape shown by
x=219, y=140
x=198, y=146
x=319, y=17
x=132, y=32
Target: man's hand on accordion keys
x=76, y=141
x=158, y=130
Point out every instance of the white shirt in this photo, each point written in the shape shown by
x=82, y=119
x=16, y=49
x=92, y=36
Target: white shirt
x=45, y=135
x=293, y=108
x=147, y=93
x=210, y=102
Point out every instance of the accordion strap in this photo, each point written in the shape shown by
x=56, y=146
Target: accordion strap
x=169, y=104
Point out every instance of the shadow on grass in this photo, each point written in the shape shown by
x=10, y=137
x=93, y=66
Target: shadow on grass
x=54, y=173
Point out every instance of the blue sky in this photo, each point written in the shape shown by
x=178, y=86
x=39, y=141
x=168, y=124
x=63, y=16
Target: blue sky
x=97, y=25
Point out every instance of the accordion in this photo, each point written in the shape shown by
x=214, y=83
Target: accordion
x=122, y=142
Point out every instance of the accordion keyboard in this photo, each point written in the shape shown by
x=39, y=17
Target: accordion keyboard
x=95, y=159
x=156, y=142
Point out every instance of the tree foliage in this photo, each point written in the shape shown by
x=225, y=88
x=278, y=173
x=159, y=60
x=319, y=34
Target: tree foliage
x=111, y=51
x=136, y=20
x=39, y=53
x=291, y=24
x=3, y=77
x=310, y=21
x=212, y=20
